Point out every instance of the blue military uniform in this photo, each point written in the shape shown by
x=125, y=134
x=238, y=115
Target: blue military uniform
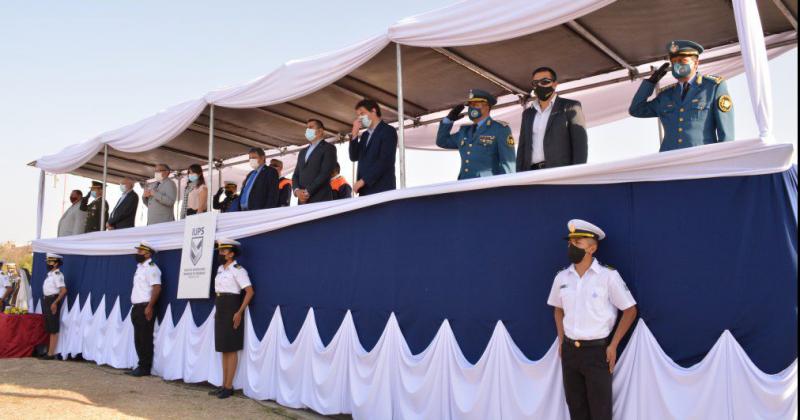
x=486, y=148
x=703, y=115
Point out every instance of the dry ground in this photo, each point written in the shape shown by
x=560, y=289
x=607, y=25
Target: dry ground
x=36, y=389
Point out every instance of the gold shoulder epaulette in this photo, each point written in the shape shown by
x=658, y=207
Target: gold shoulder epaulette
x=237, y=266
x=668, y=87
x=715, y=79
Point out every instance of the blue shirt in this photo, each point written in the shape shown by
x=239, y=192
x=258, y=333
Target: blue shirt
x=249, y=186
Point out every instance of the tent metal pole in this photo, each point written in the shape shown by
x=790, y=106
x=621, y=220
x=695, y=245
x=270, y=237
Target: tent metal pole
x=400, y=113
x=105, y=181
x=210, y=154
x=40, y=205
x=786, y=13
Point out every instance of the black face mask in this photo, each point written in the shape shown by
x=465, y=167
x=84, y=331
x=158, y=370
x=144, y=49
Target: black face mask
x=140, y=258
x=50, y=266
x=228, y=193
x=575, y=254
x=543, y=93
x=221, y=259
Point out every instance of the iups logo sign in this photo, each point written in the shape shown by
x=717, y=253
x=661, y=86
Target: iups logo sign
x=196, y=246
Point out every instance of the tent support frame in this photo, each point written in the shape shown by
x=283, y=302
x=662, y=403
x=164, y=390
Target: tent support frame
x=210, y=156
x=401, y=121
x=786, y=13
x=590, y=37
x=103, y=197
x=482, y=72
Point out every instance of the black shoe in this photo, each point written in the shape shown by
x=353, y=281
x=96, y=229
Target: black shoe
x=139, y=372
x=225, y=393
x=49, y=357
x=215, y=391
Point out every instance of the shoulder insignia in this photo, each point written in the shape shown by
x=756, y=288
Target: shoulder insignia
x=666, y=88
x=715, y=79
x=237, y=266
x=57, y=272
x=609, y=267
x=725, y=103
x=510, y=140
x=152, y=264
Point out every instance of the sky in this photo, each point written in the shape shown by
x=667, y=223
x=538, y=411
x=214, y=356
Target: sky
x=72, y=70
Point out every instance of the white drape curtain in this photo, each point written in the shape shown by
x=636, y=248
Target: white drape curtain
x=739, y=158
x=438, y=383
x=754, y=56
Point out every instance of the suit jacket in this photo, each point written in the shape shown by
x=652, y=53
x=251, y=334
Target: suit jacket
x=73, y=222
x=124, y=214
x=160, y=207
x=565, y=138
x=313, y=173
x=376, y=159
x=264, y=193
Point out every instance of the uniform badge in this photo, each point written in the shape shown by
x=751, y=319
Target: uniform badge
x=510, y=141
x=487, y=140
x=673, y=48
x=563, y=286
x=725, y=103
x=571, y=228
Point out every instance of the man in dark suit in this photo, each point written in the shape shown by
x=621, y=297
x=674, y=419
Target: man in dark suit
x=374, y=150
x=311, y=180
x=124, y=213
x=94, y=208
x=260, y=186
x=553, y=131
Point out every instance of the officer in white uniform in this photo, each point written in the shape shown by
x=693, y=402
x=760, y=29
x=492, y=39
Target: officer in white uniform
x=229, y=283
x=5, y=287
x=587, y=296
x=144, y=296
x=54, y=289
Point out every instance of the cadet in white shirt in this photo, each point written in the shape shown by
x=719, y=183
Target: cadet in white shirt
x=144, y=295
x=53, y=291
x=229, y=283
x=5, y=287
x=587, y=296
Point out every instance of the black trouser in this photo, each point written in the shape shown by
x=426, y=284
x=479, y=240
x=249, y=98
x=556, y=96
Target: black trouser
x=143, y=336
x=587, y=381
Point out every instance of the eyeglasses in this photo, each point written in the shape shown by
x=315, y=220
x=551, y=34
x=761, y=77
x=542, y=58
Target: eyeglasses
x=542, y=82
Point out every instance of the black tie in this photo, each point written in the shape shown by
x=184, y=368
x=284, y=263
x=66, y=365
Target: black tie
x=685, y=91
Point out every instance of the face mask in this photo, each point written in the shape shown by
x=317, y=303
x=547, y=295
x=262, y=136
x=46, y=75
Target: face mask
x=575, y=254
x=474, y=113
x=311, y=134
x=123, y=189
x=221, y=259
x=228, y=193
x=159, y=177
x=254, y=163
x=139, y=258
x=681, y=70
x=543, y=93
x=193, y=178
x=93, y=194
x=50, y=266
x=365, y=121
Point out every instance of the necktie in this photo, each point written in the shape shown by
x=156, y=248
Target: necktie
x=685, y=91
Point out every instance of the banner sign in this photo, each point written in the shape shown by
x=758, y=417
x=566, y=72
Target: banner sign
x=197, y=255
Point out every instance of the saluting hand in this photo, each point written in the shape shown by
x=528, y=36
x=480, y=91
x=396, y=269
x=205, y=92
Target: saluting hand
x=53, y=308
x=611, y=357
x=658, y=74
x=237, y=319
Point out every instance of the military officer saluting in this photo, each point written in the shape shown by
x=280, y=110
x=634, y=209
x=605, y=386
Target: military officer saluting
x=486, y=146
x=93, y=209
x=587, y=296
x=144, y=296
x=695, y=111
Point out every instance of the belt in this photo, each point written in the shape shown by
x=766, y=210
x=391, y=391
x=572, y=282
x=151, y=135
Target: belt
x=227, y=294
x=140, y=304
x=585, y=343
x=540, y=165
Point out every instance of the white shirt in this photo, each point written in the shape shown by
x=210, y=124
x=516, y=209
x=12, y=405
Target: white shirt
x=590, y=303
x=146, y=276
x=539, y=127
x=4, y=282
x=232, y=279
x=53, y=283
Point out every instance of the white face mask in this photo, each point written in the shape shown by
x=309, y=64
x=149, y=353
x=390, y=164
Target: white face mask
x=311, y=134
x=159, y=176
x=365, y=121
x=122, y=188
x=254, y=163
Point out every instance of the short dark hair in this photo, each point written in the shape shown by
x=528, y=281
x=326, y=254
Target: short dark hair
x=337, y=168
x=80, y=194
x=165, y=166
x=276, y=163
x=369, y=105
x=316, y=121
x=257, y=150
x=547, y=69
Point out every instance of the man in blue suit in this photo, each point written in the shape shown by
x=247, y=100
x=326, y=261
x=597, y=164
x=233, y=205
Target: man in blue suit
x=260, y=186
x=695, y=111
x=374, y=150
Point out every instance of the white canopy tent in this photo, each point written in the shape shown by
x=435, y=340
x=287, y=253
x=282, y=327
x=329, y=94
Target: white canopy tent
x=425, y=64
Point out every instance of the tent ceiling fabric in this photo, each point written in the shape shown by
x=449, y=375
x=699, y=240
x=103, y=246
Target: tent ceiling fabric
x=516, y=36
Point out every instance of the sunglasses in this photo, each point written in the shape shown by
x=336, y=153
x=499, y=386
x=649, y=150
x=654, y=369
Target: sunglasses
x=542, y=82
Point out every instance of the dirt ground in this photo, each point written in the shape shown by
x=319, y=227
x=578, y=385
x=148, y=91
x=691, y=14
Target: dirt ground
x=37, y=389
